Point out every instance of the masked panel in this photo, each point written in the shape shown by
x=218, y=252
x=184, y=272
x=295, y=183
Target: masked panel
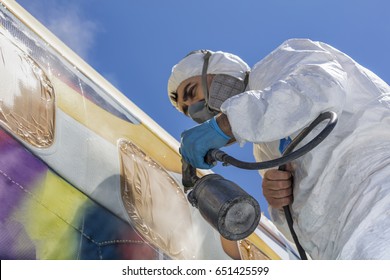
x=155, y=203
x=250, y=252
x=26, y=96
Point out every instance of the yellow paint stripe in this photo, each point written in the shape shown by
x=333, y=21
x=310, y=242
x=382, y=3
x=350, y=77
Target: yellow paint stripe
x=112, y=128
x=48, y=219
x=259, y=243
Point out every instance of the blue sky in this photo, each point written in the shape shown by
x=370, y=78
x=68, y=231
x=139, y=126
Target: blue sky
x=134, y=44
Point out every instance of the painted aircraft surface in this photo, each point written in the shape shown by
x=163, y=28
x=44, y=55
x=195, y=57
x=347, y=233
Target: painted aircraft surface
x=84, y=173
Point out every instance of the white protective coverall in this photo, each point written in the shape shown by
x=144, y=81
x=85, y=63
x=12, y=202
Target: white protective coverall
x=341, y=207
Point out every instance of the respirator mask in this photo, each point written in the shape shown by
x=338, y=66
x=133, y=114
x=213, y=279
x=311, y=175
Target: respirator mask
x=222, y=88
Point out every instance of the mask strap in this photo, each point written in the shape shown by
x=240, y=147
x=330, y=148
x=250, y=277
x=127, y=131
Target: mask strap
x=246, y=79
x=206, y=59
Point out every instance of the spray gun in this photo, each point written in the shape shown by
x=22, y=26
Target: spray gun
x=227, y=207
x=222, y=203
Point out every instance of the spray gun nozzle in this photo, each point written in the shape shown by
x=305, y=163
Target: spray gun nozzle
x=222, y=203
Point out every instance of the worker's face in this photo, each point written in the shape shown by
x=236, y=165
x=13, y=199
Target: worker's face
x=190, y=91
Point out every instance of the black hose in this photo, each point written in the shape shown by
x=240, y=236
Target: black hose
x=288, y=155
x=332, y=122
x=290, y=223
x=218, y=155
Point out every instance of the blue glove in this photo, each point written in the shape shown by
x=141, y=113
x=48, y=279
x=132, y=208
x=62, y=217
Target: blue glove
x=197, y=141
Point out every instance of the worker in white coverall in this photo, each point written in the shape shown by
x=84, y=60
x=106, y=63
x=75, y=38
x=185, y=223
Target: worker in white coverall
x=340, y=193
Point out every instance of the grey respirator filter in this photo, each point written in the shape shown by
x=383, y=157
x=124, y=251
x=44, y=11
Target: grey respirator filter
x=222, y=88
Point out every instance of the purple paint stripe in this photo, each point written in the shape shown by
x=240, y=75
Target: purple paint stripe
x=19, y=172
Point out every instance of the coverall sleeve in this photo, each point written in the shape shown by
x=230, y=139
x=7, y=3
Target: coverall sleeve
x=311, y=83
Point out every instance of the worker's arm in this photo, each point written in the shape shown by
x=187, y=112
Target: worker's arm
x=224, y=125
x=289, y=89
x=231, y=248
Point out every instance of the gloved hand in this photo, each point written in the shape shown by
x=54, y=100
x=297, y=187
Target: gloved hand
x=197, y=141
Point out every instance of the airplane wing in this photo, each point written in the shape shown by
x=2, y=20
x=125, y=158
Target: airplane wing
x=86, y=174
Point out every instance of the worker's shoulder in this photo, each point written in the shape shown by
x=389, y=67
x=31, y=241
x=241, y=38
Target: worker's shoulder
x=302, y=44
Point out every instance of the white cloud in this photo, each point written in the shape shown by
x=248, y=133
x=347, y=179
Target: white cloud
x=76, y=32
x=70, y=24
x=67, y=22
